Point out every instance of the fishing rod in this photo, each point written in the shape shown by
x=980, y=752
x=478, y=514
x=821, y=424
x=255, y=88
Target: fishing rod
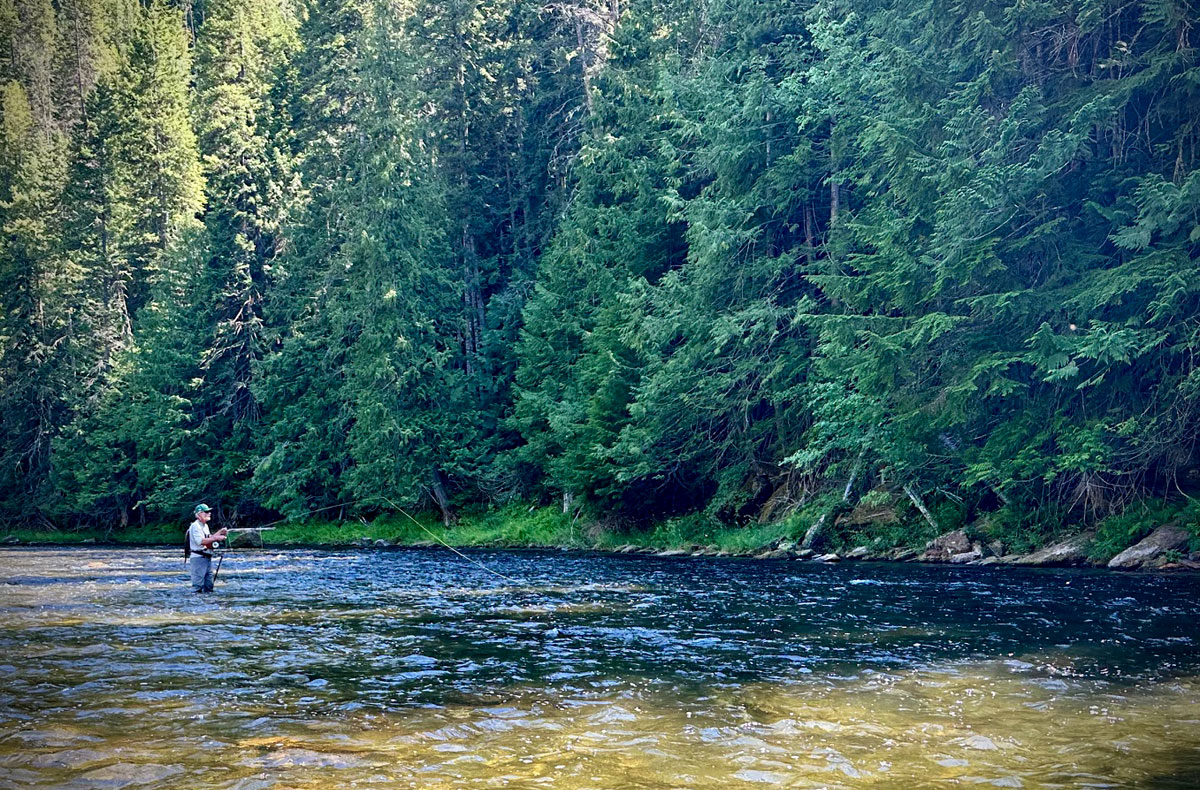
x=427, y=531
x=221, y=556
x=271, y=525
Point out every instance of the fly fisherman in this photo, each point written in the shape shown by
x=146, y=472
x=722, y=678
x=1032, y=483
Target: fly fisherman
x=199, y=545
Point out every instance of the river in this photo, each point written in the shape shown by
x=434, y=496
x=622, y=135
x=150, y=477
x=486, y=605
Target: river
x=418, y=668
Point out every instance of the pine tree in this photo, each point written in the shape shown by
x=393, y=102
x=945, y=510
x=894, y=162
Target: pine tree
x=36, y=315
x=132, y=201
x=240, y=45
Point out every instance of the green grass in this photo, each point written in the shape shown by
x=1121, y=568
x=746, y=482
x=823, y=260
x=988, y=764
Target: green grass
x=521, y=526
x=699, y=530
x=513, y=526
x=1116, y=533
x=152, y=535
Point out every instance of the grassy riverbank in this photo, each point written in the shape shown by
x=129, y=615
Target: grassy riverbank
x=515, y=526
x=522, y=526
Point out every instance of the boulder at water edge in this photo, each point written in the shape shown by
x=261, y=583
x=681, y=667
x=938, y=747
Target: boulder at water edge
x=962, y=558
x=1149, y=551
x=943, y=547
x=1072, y=551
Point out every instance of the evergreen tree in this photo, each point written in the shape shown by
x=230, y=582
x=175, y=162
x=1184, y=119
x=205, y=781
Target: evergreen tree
x=36, y=314
x=132, y=200
x=240, y=47
x=36, y=320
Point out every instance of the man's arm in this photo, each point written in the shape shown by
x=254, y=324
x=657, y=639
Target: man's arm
x=213, y=538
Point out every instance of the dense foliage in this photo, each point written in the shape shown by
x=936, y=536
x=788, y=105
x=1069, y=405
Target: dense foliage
x=749, y=259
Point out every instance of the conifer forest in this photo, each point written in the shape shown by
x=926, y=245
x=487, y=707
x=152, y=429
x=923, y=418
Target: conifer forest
x=740, y=260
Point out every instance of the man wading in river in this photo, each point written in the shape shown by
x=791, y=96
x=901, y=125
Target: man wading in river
x=198, y=549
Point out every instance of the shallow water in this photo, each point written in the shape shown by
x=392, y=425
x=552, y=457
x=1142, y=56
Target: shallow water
x=416, y=668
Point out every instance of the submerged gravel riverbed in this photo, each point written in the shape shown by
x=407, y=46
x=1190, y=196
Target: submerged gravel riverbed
x=416, y=668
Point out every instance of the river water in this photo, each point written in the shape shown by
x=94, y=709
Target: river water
x=417, y=668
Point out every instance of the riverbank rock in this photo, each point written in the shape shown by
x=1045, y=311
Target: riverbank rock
x=943, y=547
x=244, y=540
x=674, y=553
x=829, y=558
x=962, y=558
x=1149, y=551
x=10, y=540
x=858, y=553
x=775, y=554
x=1072, y=551
x=903, y=555
x=804, y=554
x=1182, y=565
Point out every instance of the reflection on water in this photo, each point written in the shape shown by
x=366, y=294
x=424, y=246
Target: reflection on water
x=417, y=669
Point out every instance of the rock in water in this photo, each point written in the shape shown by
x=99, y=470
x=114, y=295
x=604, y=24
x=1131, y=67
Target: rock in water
x=121, y=775
x=943, y=547
x=1072, y=551
x=1149, y=550
x=243, y=540
x=981, y=742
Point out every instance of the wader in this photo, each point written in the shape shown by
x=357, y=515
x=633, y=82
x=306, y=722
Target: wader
x=202, y=572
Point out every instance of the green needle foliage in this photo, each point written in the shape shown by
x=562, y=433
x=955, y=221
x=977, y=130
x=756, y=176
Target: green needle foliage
x=707, y=264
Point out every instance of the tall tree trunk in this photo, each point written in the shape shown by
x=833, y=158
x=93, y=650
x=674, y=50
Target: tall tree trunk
x=438, y=489
x=920, y=505
x=835, y=189
x=472, y=289
x=583, y=62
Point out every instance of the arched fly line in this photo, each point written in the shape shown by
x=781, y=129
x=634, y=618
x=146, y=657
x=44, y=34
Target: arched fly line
x=394, y=506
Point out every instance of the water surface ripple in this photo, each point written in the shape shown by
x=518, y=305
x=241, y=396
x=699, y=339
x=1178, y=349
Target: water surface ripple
x=415, y=668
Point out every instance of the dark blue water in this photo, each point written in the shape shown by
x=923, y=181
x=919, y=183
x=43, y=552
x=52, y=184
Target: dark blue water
x=422, y=668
